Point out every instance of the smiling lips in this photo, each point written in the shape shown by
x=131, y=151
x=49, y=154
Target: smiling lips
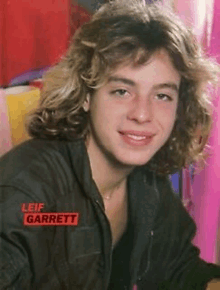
x=137, y=138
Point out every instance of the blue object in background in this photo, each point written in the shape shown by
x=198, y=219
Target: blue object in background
x=176, y=183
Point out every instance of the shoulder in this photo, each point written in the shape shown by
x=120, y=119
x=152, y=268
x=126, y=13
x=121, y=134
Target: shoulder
x=38, y=167
x=171, y=209
x=31, y=154
x=39, y=171
x=164, y=187
x=160, y=185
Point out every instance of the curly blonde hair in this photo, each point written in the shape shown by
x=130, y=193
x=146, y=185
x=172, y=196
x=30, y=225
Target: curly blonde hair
x=125, y=31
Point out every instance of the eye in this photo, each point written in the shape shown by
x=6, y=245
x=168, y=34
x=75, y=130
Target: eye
x=119, y=92
x=164, y=97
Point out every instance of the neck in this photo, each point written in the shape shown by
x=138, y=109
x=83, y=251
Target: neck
x=110, y=178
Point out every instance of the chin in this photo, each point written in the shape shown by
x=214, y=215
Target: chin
x=140, y=161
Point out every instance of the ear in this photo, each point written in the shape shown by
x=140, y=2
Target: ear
x=86, y=104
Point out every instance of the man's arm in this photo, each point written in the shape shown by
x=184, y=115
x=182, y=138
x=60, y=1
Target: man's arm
x=14, y=263
x=19, y=244
x=183, y=268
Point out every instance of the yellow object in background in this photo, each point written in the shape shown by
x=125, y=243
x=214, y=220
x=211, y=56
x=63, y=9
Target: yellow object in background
x=5, y=131
x=20, y=101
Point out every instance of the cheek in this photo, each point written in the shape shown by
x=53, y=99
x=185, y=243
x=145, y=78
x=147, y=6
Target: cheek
x=102, y=117
x=170, y=120
x=167, y=118
x=109, y=112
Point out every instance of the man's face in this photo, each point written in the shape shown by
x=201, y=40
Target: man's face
x=133, y=113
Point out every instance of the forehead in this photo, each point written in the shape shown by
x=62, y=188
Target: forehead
x=158, y=69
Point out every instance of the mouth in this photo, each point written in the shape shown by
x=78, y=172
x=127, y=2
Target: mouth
x=137, y=134
x=139, y=138
x=136, y=137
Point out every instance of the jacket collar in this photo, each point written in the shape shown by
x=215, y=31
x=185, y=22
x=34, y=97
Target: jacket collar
x=82, y=169
x=140, y=181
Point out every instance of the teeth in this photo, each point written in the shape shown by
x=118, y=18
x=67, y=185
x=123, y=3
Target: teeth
x=136, y=137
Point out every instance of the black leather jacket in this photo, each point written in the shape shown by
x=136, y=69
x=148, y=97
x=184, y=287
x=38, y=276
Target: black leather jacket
x=57, y=173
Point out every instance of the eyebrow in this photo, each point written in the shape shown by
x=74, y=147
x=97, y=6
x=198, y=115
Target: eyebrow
x=121, y=80
x=130, y=82
x=171, y=86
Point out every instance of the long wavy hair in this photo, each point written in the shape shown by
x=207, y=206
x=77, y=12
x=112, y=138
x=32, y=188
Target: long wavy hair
x=121, y=32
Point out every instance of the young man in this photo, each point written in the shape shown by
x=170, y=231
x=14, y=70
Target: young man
x=119, y=112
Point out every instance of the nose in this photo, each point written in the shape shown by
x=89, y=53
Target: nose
x=141, y=110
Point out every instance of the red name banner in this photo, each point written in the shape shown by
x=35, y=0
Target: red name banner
x=51, y=219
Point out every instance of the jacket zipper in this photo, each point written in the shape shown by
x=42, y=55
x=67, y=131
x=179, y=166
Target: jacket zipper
x=139, y=278
x=149, y=257
x=110, y=258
